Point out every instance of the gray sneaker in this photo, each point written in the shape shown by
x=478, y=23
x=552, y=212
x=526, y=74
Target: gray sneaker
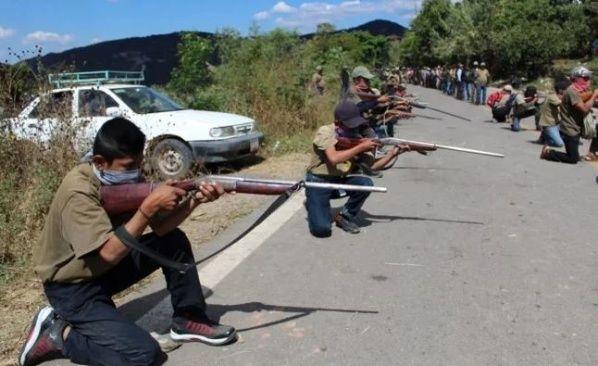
x=346, y=224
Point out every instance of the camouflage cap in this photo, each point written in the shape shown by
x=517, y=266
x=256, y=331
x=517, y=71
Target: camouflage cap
x=319, y=68
x=361, y=71
x=581, y=72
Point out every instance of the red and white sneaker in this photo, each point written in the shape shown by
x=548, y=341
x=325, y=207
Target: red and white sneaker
x=202, y=329
x=44, y=339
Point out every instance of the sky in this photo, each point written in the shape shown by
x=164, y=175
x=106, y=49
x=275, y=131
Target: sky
x=58, y=25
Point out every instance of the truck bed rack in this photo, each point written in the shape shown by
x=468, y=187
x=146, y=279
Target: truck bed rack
x=95, y=78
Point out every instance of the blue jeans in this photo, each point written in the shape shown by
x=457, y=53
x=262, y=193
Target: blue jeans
x=516, y=125
x=100, y=334
x=468, y=91
x=481, y=94
x=571, y=156
x=319, y=217
x=552, y=136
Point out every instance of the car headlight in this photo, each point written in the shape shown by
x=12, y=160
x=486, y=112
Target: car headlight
x=222, y=131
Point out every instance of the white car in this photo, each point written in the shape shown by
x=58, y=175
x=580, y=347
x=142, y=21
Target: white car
x=177, y=137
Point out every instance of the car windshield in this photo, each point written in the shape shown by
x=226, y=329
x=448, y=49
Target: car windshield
x=144, y=100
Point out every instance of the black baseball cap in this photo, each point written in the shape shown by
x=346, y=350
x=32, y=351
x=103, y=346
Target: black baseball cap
x=349, y=115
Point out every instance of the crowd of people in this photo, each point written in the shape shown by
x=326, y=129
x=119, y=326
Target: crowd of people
x=463, y=82
x=562, y=117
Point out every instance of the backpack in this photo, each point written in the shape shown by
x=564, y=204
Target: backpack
x=590, y=125
x=493, y=98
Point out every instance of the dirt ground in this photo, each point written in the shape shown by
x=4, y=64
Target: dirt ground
x=20, y=299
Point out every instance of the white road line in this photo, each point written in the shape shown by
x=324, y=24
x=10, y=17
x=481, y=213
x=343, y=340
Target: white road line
x=221, y=266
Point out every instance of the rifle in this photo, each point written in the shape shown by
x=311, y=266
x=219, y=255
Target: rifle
x=425, y=105
x=411, y=102
x=347, y=143
x=122, y=198
x=400, y=114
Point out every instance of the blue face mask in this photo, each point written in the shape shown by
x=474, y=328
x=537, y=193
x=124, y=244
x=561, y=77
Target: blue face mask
x=113, y=177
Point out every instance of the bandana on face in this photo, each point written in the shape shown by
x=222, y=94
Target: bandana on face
x=581, y=84
x=114, y=177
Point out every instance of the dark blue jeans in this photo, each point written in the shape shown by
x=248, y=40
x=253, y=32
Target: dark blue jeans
x=571, y=156
x=100, y=334
x=481, y=94
x=318, y=202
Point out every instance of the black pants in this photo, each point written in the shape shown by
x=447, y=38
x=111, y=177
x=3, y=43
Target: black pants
x=572, y=148
x=594, y=145
x=100, y=334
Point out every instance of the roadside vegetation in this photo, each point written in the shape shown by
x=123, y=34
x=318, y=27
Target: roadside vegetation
x=513, y=37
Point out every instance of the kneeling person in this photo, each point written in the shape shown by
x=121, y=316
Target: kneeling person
x=82, y=263
x=332, y=165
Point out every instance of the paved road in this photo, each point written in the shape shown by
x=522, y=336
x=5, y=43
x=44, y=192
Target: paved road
x=467, y=260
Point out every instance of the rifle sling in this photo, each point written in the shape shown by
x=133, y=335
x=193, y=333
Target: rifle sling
x=129, y=240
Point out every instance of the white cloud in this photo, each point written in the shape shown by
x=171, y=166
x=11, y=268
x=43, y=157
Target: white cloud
x=96, y=40
x=283, y=8
x=262, y=15
x=41, y=36
x=308, y=14
x=6, y=32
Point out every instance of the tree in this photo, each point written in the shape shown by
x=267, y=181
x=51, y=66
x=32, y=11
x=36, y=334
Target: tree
x=325, y=28
x=194, y=53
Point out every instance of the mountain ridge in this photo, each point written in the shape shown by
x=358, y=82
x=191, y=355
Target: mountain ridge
x=157, y=54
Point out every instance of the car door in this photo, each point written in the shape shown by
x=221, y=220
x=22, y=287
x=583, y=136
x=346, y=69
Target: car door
x=48, y=116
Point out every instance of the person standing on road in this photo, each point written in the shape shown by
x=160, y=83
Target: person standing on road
x=469, y=80
x=83, y=262
x=481, y=81
x=317, y=83
x=460, y=79
x=332, y=165
x=573, y=112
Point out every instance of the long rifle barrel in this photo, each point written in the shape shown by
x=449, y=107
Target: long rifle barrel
x=123, y=198
x=346, y=187
x=448, y=113
x=396, y=141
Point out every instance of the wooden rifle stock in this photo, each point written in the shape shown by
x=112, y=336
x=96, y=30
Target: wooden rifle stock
x=122, y=198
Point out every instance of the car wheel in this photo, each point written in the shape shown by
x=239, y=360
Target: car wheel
x=172, y=159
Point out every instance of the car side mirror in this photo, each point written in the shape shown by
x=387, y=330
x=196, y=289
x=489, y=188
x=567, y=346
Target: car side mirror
x=114, y=112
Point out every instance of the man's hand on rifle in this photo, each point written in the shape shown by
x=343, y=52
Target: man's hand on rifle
x=400, y=149
x=383, y=99
x=164, y=198
x=368, y=145
x=208, y=192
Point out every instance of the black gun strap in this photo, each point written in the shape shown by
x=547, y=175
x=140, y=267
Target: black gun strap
x=129, y=240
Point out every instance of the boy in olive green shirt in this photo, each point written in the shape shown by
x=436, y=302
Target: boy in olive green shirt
x=82, y=262
x=332, y=165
